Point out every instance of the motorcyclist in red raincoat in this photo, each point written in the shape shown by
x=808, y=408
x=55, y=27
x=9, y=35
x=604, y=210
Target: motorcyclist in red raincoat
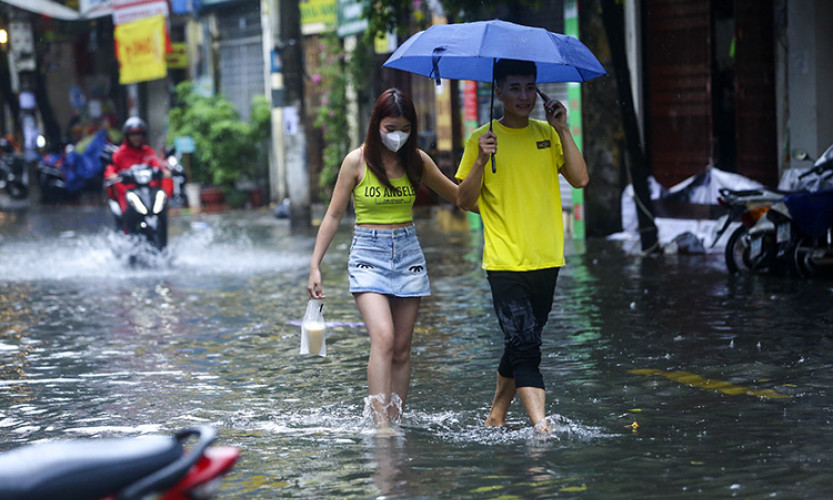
x=133, y=151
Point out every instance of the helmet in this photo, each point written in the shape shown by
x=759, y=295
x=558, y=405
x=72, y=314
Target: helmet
x=6, y=146
x=134, y=125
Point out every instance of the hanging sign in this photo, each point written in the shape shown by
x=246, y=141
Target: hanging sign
x=140, y=48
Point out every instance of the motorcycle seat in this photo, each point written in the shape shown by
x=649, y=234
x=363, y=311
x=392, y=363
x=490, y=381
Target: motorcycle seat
x=83, y=469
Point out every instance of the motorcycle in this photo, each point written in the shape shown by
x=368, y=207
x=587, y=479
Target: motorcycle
x=764, y=241
x=14, y=172
x=146, y=213
x=64, y=172
x=178, y=197
x=131, y=468
x=804, y=222
x=745, y=250
x=804, y=225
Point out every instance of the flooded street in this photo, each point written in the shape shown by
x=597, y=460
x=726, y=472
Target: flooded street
x=667, y=376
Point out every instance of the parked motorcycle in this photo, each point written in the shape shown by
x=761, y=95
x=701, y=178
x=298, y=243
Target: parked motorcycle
x=745, y=251
x=64, y=172
x=14, y=172
x=804, y=221
x=132, y=468
x=770, y=238
x=146, y=213
x=804, y=228
x=178, y=197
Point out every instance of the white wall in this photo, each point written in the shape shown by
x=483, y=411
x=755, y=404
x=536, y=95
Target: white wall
x=810, y=74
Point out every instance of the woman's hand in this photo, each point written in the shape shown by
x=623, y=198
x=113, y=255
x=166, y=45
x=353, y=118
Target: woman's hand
x=314, y=285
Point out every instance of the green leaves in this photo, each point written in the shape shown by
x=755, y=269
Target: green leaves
x=227, y=148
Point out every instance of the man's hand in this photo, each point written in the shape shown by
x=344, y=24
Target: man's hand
x=487, y=146
x=556, y=114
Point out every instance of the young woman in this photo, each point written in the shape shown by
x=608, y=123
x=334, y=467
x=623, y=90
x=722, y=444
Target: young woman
x=387, y=269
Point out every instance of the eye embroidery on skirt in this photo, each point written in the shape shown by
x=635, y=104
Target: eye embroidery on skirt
x=416, y=269
x=364, y=266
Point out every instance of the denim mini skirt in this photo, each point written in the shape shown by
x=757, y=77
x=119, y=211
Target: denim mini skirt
x=387, y=261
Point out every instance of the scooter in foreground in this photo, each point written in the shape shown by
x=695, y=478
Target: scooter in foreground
x=132, y=468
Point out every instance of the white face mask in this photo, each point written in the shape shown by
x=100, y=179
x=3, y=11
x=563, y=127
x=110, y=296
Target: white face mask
x=394, y=140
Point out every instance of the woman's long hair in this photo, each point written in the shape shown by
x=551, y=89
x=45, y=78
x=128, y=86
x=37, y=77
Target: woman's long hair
x=394, y=103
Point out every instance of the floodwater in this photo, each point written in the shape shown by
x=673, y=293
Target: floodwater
x=666, y=377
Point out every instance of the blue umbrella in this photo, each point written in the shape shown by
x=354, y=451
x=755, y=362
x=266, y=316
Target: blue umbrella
x=469, y=51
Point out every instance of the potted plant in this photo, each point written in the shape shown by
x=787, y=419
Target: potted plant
x=227, y=149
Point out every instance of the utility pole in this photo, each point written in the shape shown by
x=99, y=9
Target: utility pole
x=22, y=41
x=273, y=78
x=24, y=65
x=614, y=23
x=291, y=131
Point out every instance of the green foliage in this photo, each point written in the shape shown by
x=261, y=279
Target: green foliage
x=385, y=16
x=261, y=118
x=236, y=152
x=227, y=149
x=332, y=113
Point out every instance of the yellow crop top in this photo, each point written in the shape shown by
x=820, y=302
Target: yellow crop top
x=377, y=204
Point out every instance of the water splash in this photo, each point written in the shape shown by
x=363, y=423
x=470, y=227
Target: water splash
x=377, y=408
x=200, y=250
x=458, y=428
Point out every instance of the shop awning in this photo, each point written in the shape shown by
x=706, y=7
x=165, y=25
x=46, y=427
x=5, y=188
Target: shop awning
x=54, y=10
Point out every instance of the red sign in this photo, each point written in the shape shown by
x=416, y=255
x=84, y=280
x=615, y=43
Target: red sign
x=126, y=11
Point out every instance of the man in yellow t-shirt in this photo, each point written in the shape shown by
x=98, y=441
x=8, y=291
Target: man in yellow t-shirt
x=520, y=204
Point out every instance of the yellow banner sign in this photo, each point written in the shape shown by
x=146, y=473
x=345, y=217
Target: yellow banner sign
x=140, y=47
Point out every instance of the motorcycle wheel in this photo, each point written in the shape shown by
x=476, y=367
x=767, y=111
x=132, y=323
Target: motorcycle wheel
x=17, y=190
x=737, y=251
x=802, y=260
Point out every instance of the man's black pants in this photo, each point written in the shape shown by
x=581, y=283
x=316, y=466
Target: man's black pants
x=522, y=301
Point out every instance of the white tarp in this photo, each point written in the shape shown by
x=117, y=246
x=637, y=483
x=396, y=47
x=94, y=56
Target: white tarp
x=703, y=189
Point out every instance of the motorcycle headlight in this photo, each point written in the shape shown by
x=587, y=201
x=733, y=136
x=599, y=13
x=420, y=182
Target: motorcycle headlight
x=143, y=176
x=159, y=201
x=136, y=203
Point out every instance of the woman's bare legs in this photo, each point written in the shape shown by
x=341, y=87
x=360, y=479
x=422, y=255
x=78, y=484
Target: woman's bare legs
x=390, y=323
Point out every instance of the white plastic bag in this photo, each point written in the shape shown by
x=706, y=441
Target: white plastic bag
x=313, y=330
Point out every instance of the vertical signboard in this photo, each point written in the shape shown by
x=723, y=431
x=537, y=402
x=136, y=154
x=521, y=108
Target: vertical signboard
x=571, y=28
x=469, y=107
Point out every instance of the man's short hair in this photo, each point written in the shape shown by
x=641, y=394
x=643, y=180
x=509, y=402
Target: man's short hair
x=506, y=67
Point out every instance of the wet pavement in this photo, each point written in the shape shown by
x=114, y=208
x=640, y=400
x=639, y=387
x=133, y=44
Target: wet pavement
x=666, y=377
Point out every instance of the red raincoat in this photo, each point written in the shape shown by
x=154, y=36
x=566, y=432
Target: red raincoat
x=124, y=158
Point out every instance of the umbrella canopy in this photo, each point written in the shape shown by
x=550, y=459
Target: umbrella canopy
x=468, y=51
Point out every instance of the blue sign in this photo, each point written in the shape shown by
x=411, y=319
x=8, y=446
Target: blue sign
x=184, y=144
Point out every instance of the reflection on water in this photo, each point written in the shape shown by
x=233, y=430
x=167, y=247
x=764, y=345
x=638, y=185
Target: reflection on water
x=661, y=371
